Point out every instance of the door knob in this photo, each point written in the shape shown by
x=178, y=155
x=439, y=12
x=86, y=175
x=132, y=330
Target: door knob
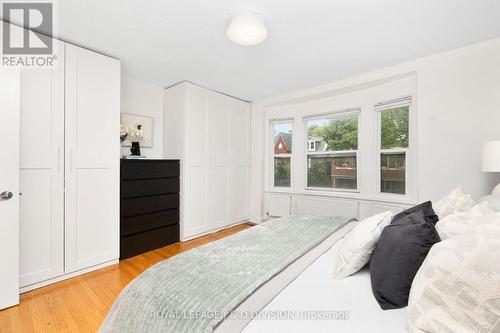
x=6, y=195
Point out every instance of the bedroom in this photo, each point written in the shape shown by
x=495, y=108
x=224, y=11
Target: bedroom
x=281, y=167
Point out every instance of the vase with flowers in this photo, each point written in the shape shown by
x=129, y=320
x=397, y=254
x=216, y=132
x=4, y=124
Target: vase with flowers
x=135, y=135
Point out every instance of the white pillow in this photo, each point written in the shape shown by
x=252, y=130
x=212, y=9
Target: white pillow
x=455, y=202
x=355, y=251
x=493, y=200
x=457, y=288
x=459, y=223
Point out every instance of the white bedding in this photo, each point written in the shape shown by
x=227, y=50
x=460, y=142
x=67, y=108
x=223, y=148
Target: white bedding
x=316, y=290
x=265, y=293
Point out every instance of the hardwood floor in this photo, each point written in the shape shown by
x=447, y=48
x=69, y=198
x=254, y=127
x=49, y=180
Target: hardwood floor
x=81, y=303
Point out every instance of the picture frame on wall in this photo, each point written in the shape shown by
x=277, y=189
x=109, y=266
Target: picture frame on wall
x=133, y=120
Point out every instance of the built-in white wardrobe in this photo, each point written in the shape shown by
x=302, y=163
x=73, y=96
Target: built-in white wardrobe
x=210, y=133
x=69, y=208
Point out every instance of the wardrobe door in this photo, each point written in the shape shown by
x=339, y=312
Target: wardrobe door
x=92, y=158
x=196, y=163
x=42, y=173
x=239, y=160
x=218, y=147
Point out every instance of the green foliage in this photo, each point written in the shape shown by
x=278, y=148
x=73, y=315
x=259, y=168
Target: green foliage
x=395, y=129
x=281, y=172
x=319, y=172
x=339, y=134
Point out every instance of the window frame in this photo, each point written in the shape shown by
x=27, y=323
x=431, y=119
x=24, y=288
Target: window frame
x=408, y=151
x=273, y=122
x=338, y=153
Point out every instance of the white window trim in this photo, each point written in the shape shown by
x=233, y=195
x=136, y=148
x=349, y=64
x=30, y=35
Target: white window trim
x=273, y=122
x=332, y=115
x=409, y=152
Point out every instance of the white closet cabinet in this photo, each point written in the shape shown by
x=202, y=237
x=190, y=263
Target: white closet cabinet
x=69, y=211
x=92, y=154
x=210, y=133
x=41, y=247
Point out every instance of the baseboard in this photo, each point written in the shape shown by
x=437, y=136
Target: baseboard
x=65, y=276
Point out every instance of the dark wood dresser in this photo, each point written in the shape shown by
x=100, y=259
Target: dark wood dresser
x=149, y=208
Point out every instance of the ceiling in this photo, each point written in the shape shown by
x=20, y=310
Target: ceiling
x=311, y=42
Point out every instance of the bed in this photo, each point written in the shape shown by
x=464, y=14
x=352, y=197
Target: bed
x=245, y=281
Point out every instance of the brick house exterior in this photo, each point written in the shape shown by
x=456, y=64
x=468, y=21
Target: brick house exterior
x=283, y=143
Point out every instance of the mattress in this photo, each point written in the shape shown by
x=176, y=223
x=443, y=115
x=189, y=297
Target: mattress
x=315, y=293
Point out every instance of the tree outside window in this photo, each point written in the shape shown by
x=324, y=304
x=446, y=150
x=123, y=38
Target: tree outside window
x=282, y=152
x=394, y=143
x=333, y=161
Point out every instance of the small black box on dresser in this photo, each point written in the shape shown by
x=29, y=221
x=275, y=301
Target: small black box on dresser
x=149, y=205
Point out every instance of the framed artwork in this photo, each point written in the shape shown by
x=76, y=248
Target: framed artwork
x=133, y=120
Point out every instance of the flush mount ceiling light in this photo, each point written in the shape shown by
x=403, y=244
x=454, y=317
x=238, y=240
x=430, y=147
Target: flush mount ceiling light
x=247, y=30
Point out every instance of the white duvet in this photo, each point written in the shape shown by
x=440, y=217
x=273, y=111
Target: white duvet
x=316, y=290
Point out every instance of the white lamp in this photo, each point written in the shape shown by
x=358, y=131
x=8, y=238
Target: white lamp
x=491, y=160
x=247, y=29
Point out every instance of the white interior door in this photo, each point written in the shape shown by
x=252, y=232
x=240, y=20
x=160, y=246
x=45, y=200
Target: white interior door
x=9, y=188
x=41, y=238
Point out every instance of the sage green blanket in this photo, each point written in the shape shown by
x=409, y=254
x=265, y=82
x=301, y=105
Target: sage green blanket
x=195, y=290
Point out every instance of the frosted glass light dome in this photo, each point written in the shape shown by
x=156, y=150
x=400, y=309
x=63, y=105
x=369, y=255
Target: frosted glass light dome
x=247, y=30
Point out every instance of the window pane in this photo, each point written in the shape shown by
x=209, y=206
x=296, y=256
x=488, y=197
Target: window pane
x=282, y=172
x=393, y=173
x=282, y=133
x=332, y=134
x=332, y=172
x=394, y=128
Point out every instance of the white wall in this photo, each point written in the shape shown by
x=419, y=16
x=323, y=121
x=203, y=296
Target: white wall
x=458, y=108
x=146, y=100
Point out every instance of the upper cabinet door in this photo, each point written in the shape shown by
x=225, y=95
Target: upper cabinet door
x=42, y=173
x=218, y=128
x=92, y=158
x=239, y=133
x=196, y=126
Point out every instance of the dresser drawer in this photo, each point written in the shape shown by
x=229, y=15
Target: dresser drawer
x=144, y=187
x=147, y=241
x=143, y=169
x=136, y=224
x=145, y=205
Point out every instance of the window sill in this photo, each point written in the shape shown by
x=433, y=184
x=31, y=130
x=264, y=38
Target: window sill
x=349, y=195
x=331, y=190
x=278, y=190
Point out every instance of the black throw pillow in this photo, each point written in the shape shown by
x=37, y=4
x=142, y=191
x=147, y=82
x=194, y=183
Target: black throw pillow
x=426, y=208
x=398, y=255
